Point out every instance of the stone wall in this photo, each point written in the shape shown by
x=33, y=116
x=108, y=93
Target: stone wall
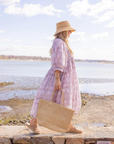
x=53, y=140
x=23, y=135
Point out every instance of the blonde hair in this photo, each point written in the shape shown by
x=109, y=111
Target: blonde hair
x=64, y=36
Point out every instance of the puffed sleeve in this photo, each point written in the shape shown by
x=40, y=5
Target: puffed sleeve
x=58, y=55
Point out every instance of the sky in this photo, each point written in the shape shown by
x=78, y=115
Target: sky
x=27, y=27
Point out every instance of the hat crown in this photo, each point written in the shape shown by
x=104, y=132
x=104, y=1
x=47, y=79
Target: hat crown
x=63, y=24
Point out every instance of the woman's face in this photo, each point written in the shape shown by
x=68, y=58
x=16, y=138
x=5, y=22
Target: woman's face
x=69, y=32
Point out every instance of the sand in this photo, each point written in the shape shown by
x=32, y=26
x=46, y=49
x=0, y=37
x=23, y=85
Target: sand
x=95, y=108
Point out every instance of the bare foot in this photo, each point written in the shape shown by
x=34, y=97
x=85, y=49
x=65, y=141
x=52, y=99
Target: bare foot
x=74, y=130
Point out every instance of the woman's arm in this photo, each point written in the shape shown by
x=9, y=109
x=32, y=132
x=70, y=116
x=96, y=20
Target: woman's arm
x=58, y=60
x=57, y=80
x=57, y=74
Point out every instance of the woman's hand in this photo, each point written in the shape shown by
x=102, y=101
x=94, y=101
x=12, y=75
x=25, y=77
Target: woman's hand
x=57, y=84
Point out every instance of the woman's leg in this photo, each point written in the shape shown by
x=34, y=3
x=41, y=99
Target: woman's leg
x=34, y=125
x=71, y=125
x=33, y=121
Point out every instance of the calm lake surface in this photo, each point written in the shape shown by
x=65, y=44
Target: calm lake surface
x=28, y=73
x=40, y=68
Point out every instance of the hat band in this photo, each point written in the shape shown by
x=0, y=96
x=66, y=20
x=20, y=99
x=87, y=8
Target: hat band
x=64, y=29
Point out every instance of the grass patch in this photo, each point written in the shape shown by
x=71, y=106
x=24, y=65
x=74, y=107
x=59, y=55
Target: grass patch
x=2, y=84
x=0, y=121
x=6, y=120
x=16, y=120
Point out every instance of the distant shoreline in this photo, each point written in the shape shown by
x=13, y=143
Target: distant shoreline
x=40, y=58
x=22, y=60
x=89, y=61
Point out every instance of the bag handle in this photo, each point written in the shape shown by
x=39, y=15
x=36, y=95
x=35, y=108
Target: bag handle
x=62, y=95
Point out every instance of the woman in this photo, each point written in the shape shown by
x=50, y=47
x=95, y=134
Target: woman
x=62, y=74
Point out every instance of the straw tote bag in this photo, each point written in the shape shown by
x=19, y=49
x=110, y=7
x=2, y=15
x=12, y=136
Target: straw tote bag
x=54, y=116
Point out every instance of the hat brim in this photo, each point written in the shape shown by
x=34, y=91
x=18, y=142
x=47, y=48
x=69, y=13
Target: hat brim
x=66, y=29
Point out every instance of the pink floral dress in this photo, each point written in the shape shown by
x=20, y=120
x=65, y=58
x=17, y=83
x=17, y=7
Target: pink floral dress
x=62, y=60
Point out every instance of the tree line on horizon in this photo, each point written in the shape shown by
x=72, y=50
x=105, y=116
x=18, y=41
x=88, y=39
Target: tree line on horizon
x=8, y=57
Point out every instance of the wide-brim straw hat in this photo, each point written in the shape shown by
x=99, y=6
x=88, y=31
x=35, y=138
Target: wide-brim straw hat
x=63, y=26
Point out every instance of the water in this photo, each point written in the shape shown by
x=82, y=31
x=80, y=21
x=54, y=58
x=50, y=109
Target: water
x=40, y=68
x=94, y=78
x=24, y=68
x=102, y=89
x=4, y=108
x=95, y=70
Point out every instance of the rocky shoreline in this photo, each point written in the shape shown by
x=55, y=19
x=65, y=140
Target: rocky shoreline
x=91, y=111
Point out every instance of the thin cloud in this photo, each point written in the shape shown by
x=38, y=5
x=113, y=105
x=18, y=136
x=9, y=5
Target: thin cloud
x=99, y=35
x=1, y=31
x=71, y=40
x=8, y=2
x=94, y=54
x=105, y=17
x=24, y=50
x=38, y=41
x=9, y=40
x=111, y=24
x=5, y=40
x=79, y=36
x=50, y=37
x=80, y=8
x=30, y=10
